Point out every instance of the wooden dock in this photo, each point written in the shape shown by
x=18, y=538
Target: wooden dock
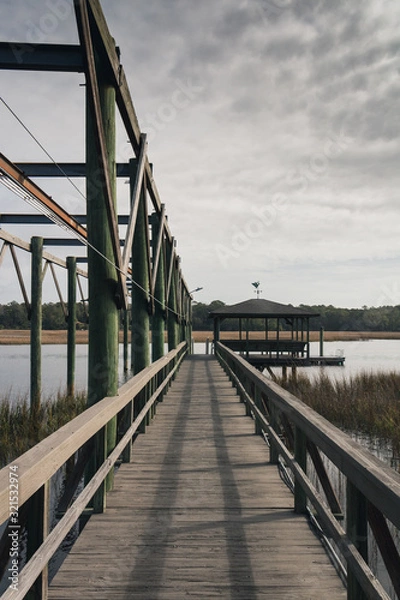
x=263, y=361
x=199, y=512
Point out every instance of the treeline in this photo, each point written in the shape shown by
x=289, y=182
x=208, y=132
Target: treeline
x=383, y=318
x=15, y=316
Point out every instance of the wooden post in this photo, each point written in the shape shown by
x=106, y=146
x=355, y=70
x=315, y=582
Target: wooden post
x=189, y=324
x=172, y=318
x=277, y=337
x=258, y=403
x=308, y=337
x=38, y=529
x=216, y=331
x=321, y=341
x=158, y=319
x=357, y=531
x=36, y=322
x=273, y=416
x=126, y=340
x=71, y=345
x=140, y=318
x=300, y=454
x=103, y=279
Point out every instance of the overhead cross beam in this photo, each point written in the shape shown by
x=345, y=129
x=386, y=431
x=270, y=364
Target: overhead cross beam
x=20, y=56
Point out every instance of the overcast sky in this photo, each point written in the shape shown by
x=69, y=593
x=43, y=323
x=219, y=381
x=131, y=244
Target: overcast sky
x=273, y=127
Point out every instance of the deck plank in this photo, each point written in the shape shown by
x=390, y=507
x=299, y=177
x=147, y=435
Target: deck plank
x=199, y=513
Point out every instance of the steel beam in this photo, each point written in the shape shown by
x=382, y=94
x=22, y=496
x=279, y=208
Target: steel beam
x=13, y=175
x=62, y=169
x=21, y=56
x=33, y=219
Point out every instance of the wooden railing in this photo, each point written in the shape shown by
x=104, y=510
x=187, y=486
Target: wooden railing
x=26, y=479
x=298, y=435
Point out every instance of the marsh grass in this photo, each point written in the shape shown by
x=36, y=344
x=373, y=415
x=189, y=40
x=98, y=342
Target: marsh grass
x=20, y=428
x=366, y=403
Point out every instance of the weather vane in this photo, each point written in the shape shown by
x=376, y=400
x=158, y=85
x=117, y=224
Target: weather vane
x=257, y=291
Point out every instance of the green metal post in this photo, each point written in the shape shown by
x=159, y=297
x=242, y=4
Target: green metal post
x=71, y=345
x=38, y=530
x=36, y=322
x=172, y=319
x=300, y=454
x=158, y=319
x=103, y=281
x=357, y=531
x=126, y=340
x=140, y=318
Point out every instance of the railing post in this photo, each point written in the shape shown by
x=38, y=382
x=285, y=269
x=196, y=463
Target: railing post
x=246, y=385
x=257, y=401
x=357, y=531
x=71, y=348
x=300, y=455
x=36, y=322
x=126, y=341
x=38, y=529
x=274, y=423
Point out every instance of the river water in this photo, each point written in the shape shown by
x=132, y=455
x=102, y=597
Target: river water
x=370, y=355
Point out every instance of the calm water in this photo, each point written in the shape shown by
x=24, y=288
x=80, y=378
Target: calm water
x=370, y=355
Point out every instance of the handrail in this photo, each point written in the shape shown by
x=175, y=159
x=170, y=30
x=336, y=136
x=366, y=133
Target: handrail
x=37, y=465
x=375, y=486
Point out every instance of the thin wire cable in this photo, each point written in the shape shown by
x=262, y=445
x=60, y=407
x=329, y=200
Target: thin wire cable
x=14, y=114
x=14, y=186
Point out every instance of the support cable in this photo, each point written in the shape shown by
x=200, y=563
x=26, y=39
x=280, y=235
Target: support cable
x=42, y=147
x=28, y=197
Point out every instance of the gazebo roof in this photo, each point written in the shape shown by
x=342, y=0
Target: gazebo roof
x=260, y=308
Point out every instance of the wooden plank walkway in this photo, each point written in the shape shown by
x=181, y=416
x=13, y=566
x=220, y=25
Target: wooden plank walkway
x=199, y=513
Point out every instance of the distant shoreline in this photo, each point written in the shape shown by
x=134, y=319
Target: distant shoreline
x=19, y=336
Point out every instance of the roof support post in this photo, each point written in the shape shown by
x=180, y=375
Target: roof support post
x=172, y=317
x=140, y=323
x=158, y=319
x=216, y=331
x=103, y=280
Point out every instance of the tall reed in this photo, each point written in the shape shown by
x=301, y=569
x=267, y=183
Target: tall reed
x=366, y=403
x=20, y=429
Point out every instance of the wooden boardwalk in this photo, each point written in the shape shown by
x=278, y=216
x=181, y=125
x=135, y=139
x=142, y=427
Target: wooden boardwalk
x=199, y=513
